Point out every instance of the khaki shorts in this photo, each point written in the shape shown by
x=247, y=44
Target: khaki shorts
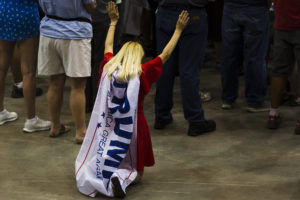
x=59, y=56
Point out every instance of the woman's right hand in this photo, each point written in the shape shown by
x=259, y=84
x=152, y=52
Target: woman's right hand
x=182, y=20
x=113, y=12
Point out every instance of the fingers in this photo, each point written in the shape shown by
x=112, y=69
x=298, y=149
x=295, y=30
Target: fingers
x=184, y=16
x=111, y=6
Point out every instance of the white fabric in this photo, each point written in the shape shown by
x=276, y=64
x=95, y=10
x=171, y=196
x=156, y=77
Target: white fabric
x=109, y=147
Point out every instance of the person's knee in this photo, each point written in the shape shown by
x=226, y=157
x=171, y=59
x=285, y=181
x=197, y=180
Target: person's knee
x=78, y=84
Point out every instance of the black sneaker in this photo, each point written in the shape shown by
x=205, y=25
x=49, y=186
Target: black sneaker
x=199, y=128
x=161, y=123
x=117, y=189
x=18, y=92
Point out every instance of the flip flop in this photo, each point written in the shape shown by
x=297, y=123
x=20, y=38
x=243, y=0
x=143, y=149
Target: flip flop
x=79, y=140
x=63, y=129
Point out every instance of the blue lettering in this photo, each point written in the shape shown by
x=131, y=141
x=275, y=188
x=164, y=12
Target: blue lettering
x=124, y=121
x=123, y=107
x=107, y=174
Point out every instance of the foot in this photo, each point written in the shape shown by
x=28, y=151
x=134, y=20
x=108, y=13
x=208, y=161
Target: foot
x=274, y=121
x=161, y=123
x=199, y=128
x=117, y=189
x=18, y=92
x=62, y=130
x=7, y=117
x=297, y=129
x=256, y=109
x=38, y=125
x=79, y=138
x=227, y=106
x=205, y=96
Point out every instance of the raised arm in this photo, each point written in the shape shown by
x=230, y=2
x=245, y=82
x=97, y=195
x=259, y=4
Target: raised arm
x=91, y=6
x=113, y=13
x=181, y=24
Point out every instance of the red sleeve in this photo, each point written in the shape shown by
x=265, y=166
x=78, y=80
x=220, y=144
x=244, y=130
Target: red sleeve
x=151, y=73
x=153, y=69
x=105, y=60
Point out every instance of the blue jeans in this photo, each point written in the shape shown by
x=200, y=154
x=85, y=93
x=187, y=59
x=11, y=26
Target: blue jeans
x=187, y=58
x=245, y=36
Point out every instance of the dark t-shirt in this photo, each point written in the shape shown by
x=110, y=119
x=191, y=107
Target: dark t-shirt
x=196, y=3
x=248, y=2
x=287, y=15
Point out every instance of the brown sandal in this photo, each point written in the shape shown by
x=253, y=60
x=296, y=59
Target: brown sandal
x=63, y=129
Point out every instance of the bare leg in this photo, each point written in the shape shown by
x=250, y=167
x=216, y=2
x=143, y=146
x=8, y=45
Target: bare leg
x=6, y=53
x=77, y=105
x=55, y=100
x=294, y=83
x=28, y=54
x=278, y=85
x=16, y=66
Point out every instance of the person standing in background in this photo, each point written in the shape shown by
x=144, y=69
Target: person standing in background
x=188, y=56
x=65, y=51
x=245, y=28
x=286, y=54
x=19, y=26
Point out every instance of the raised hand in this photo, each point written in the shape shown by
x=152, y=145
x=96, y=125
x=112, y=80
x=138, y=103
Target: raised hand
x=182, y=20
x=113, y=12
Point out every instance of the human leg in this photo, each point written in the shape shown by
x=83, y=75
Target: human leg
x=232, y=43
x=282, y=66
x=77, y=105
x=6, y=52
x=55, y=100
x=256, y=32
x=28, y=57
x=192, y=49
x=296, y=41
x=17, y=90
x=166, y=20
x=16, y=66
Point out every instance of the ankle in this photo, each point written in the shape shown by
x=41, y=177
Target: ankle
x=3, y=111
x=32, y=120
x=274, y=112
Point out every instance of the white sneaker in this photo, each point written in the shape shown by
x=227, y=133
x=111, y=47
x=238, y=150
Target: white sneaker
x=227, y=106
x=38, y=125
x=8, y=117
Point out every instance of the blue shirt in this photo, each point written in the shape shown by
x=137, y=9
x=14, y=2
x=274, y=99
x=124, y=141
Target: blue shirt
x=258, y=3
x=65, y=29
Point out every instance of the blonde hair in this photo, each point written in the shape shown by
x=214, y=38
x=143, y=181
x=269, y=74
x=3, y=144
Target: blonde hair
x=129, y=58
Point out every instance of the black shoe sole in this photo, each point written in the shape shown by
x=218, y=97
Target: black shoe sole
x=117, y=189
x=162, y=125
x=196, y=130
x=201, y=132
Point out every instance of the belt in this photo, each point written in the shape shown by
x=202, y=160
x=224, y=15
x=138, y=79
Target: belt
x=80, y=19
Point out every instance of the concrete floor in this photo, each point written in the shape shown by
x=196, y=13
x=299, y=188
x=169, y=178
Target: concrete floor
x=242, y=160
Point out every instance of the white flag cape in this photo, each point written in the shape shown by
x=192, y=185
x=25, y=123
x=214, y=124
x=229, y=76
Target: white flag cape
x=109, y=147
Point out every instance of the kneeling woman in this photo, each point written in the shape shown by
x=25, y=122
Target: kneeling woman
x=118, y=143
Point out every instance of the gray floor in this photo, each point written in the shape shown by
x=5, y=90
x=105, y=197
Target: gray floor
x=242, y=160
